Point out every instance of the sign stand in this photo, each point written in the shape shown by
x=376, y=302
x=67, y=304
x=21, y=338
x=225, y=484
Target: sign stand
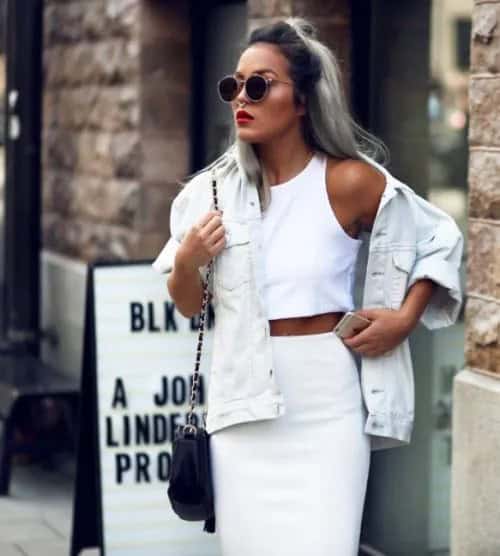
x=136, y=378
x=87, y=507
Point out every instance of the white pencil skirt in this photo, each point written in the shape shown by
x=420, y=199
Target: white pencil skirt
x=295, y=485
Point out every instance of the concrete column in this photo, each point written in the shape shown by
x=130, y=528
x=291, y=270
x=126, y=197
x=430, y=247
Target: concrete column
x=164, y=128
x=476, y=393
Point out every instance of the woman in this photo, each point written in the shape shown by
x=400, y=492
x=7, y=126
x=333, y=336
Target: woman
x=287, y=482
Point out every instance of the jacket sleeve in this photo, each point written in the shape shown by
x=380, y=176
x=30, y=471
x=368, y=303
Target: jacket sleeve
x=439, y=251
x=182, y=217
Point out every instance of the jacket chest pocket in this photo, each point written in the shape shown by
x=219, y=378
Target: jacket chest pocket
x=402, y=262
x=232, y=267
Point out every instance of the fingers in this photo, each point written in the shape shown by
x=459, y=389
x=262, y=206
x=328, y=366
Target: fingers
x=218, y=245
x=212, y=230
x=209, y=233
x=216, y=237
x=361, y=349
x=207, y=217
x=214, y=223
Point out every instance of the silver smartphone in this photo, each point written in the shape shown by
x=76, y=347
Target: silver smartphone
x=350, y=324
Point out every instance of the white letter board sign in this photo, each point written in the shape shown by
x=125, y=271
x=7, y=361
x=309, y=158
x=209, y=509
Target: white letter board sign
x=137, y=367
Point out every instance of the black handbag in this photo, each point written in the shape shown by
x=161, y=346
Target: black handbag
x=190, y=489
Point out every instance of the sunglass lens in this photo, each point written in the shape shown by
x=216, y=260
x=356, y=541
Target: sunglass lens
x=228, y=88
x=256, y=87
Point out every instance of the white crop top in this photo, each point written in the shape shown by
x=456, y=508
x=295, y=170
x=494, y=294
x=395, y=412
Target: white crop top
x=309, y=259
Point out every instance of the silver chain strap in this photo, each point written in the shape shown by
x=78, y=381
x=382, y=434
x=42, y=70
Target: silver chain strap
x=189, y=425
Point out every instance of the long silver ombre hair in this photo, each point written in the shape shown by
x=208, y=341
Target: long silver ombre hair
x=327, y=124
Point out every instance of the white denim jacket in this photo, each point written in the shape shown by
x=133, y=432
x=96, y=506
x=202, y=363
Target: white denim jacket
x=410, y=239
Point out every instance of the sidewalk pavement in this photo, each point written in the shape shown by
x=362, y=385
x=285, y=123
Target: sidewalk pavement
x=36, y=516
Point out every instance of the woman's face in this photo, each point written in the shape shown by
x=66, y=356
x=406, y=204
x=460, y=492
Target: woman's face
x=274, y=116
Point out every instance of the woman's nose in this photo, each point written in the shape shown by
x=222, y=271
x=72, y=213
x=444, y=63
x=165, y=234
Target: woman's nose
x=241, y=96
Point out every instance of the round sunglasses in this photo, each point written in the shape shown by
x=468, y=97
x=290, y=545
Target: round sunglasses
x=256, y=87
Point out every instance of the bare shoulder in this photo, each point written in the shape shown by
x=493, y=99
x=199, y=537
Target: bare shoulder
x=355, y=184
x=353, y=177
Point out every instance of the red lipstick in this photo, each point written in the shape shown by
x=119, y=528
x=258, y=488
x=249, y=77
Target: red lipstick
x=243, y=116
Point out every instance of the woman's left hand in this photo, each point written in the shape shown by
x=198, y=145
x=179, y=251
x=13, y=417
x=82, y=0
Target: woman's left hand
x=389, y=328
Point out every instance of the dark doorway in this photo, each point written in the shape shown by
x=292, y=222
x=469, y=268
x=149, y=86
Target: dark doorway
x=218, y=30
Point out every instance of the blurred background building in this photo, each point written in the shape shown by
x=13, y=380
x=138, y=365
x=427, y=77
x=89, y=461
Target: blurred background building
x=127, y=91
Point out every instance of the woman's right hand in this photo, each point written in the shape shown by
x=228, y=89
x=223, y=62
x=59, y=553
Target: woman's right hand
x=202, y=242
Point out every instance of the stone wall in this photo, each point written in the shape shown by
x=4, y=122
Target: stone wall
x=90, y=137
x=476, y=389
x=483, y=307
x=115, y=125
